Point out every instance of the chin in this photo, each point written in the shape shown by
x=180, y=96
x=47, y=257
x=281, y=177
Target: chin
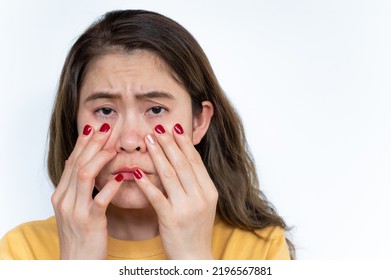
x=129, y=196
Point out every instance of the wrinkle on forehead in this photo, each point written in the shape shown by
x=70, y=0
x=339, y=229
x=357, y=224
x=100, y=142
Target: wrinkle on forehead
x=116, y=50
x=153, y=57
x=157, y=61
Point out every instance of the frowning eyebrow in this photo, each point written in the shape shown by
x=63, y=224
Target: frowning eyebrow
x=139, y=96
x=154, y=95
x=102, y=95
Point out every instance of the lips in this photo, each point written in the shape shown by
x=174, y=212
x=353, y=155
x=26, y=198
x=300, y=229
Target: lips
x=127, y=172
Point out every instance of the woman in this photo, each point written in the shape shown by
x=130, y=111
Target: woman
x=148, y=157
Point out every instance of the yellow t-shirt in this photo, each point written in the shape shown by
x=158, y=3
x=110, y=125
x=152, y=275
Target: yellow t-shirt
x=39, y=240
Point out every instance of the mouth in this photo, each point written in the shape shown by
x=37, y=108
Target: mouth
x=127, y=172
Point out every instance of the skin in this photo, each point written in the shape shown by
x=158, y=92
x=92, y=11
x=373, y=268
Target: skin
x=174, y=198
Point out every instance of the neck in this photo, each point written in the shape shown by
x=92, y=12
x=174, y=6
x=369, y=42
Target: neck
x=132, y=224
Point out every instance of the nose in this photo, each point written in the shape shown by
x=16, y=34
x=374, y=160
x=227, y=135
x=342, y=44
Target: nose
x=130, y=137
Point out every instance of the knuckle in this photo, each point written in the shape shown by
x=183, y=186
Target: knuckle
x=54, y=199
x=214, y=195
x=202, y=206
x=62, y=208
x=99, y=203
x=181, y=163
x=83, y=174
x=169, y=173
x=98, y=139
x=79, y=163
x=195, y=158
x=69, y=161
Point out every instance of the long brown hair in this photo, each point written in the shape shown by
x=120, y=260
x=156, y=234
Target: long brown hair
x=223, y=149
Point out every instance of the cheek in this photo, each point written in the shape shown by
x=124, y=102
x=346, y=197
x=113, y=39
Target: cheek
x=96, y=123
x=85, y=118
x=186, y=124
x=82, y=121
x=185, y=119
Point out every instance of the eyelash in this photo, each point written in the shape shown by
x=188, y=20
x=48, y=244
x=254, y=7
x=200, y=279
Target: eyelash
x=160, y=108
x=112, y=111
x=102, y=115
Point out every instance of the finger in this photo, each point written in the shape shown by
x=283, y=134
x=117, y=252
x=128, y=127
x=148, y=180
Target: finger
x=166, y=172
x=94, y=145
x=179, y=162
x=81, y=142
x=194, y=158
x=86, y=177
x=104, y=197
x=80, y=156
x=157, y=199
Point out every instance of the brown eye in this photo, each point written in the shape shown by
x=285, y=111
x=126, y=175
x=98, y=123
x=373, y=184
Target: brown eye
x=106, y=111
x=156, y=110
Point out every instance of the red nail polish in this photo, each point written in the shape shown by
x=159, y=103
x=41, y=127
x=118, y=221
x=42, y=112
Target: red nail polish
x=87, y=129
x=105, y=127
x=160, y=129
x=119, y=177
x=178, y=128
x=137, y=174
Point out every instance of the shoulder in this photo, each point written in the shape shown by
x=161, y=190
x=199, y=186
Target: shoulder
x=29, y=240
x=230, y=242
x=39, y=227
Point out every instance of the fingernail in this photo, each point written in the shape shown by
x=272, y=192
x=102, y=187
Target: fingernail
x=150, y=139
x=137, y=174
x=105, y=127
x=87, y=129
x=119, y=177
x=178, y=128
x=160, y=129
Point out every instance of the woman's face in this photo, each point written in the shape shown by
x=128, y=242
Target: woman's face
x=132, y=93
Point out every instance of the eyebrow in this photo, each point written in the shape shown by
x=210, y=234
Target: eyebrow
x=154, y=95
x=139, y=96
x=102, y=95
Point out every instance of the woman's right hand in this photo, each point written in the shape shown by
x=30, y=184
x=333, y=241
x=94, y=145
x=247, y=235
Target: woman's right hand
x=81, y=219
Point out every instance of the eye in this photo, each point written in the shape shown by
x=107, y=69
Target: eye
x=105, y=112
x=156, y=110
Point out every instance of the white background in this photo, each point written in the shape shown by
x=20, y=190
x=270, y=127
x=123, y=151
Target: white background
x=311, y=80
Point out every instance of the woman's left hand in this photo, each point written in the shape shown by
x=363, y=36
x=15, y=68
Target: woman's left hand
x=186, y=213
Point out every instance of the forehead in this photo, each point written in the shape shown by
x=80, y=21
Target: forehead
x=111, y=58
x=137, y=71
